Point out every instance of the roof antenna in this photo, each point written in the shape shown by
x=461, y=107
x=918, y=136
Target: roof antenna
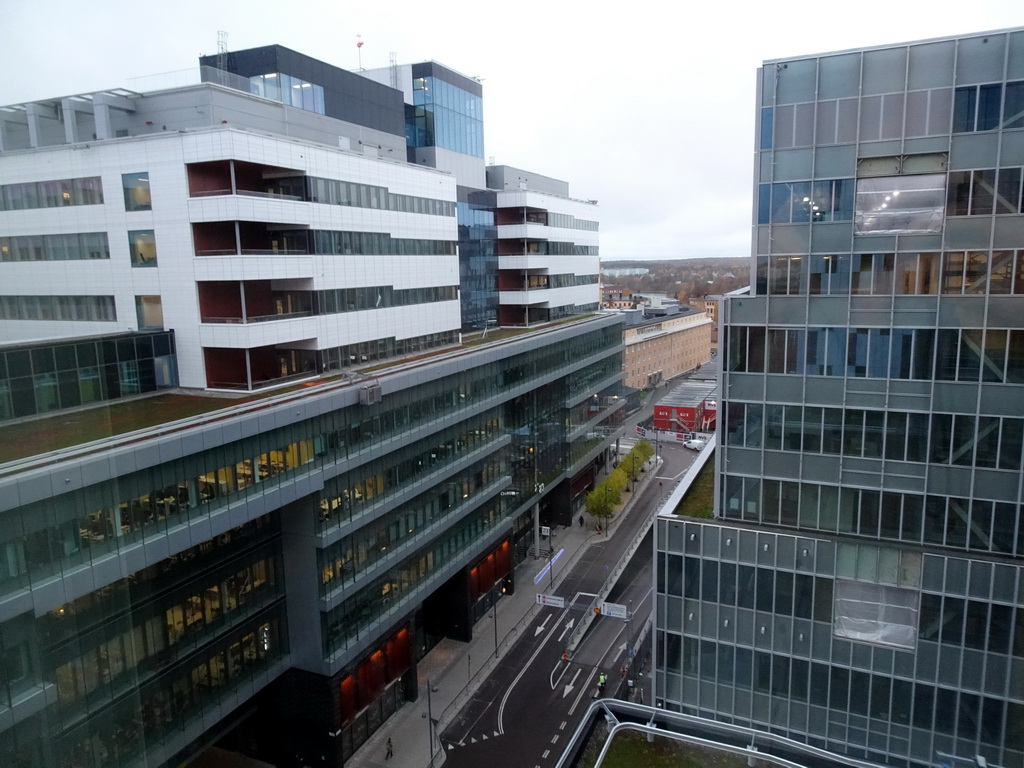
x=359, y=48
x=222, y=50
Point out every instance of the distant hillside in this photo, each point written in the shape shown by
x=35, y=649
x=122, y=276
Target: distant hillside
x=684, y=278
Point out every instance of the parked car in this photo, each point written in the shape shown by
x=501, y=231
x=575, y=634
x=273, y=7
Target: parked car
x=695, y=445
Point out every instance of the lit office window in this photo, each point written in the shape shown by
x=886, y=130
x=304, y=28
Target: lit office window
x=142, y=246
x=136, y=192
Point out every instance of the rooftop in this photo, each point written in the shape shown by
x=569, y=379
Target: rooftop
x=138, y=419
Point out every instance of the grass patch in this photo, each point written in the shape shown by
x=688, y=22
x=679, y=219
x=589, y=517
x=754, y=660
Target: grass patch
x=699, y=500
x=630, y=749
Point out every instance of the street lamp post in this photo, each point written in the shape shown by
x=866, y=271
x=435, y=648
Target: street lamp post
x=430, y=723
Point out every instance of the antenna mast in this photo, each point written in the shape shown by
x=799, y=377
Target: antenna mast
x=359, y=48
x=222, y=50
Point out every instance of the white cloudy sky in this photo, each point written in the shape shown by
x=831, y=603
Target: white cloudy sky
x=645, y=106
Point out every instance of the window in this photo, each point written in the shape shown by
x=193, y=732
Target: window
x=136, y=192
x=149, y=312
x=142, y=246
x=978, y=107
x=875, y=613
x=49, y=194
x=802, y=201
x=890, y=205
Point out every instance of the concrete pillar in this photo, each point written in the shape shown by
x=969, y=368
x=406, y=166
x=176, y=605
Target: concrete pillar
x=70, y=121
x=102, y=115
x=34, y=113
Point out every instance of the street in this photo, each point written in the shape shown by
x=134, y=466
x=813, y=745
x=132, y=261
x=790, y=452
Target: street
x=535, y=696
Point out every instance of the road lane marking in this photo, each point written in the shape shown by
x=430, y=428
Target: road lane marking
x=568, y=628
x=583, y=689
x=542, y=626
x=569, y=687
x=526, y=666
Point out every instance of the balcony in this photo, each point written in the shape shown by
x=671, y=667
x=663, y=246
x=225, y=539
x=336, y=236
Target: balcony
x=257, y=368
x=249, y=238
x=235, y=177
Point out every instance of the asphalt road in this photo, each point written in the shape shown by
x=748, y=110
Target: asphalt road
x=522, y=714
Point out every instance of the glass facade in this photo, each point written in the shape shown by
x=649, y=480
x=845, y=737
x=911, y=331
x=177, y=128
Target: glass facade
x=40, y=378
x=51, y=194
x=292, y=91
x=444, y=115
x=410, y=485
x=863, y=589
x=478, y=261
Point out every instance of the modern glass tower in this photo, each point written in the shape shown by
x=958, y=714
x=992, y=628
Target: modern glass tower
x=863, y=589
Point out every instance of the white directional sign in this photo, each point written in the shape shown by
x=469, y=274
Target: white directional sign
x=615, y=610
x=553, y=600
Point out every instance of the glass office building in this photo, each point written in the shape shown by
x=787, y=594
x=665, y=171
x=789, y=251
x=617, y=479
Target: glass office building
x=863, y=589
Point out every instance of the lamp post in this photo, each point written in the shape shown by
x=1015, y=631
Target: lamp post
x=494, y=613
x=430, y=724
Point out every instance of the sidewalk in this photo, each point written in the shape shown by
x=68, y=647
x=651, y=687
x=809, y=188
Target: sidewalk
x=456, y=669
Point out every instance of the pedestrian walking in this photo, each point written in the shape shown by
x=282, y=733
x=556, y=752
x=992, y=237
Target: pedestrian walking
x=391, y=750
x=581, y=521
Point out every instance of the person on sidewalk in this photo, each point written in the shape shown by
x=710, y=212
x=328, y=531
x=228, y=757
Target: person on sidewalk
x=391, y=750
x=581, y=521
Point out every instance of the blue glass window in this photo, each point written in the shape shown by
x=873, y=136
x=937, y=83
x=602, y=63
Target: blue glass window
x=446, y=116
x=767, y=114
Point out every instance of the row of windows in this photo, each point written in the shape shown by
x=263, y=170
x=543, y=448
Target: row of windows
x=984, y=192
x=89, y=523
x=135, y=725
x=988, y=107
x=98, y=666
x=568, y=221
x=869, y=118
x=117, y=600
x=95, y=308
x=377, y=243
x=70, y=247
x=961, y=440
x=48, y=534
x=30, y=395
x=803, y=201
x=51, y=194
x=355, y=493
x=768, y=590
x=335, y=192
x=978, y=525
x=346, y=560
x=948, y=354
x=901, y=274
x=289, y=90
x=356, y=299
x=534, y=282
x=957, y=621
x=363, y=352
x=893, y=116
x=878, y=205
x=360, y=613
x=969, y=716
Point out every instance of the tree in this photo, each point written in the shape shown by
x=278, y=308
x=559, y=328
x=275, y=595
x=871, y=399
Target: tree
x=644, y=449
x=599, y=503
x=631, y=464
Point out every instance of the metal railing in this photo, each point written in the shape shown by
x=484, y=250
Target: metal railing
x=257, y=318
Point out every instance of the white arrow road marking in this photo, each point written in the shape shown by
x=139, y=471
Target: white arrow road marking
x=621, y=650
x=540, y=629
x=508, y=692
x=569, y=687
x=568, y=628
x=450, y=747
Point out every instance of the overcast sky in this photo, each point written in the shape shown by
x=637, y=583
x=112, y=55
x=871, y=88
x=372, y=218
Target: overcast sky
x=647, y=107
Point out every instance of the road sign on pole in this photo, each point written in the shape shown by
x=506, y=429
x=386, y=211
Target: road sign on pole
x=615, y=610
x=553, y=600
